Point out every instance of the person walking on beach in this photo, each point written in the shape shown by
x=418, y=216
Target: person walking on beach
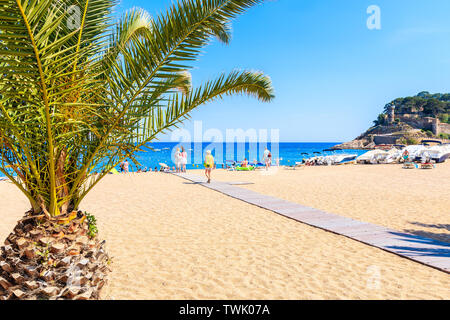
x=209, y=164
x=125, y=166
x=178, y=160
x=267, y=158
x=183, y=159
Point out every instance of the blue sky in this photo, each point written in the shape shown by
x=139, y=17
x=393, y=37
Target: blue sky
x=332, y=75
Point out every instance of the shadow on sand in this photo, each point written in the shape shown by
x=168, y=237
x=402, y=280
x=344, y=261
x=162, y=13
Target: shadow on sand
x=440, y=236
x=420, y=246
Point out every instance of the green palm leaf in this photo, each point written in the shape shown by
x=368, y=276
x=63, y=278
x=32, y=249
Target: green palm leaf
x=77, y=94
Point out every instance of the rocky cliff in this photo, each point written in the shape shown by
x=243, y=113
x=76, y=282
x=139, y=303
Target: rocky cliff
x=408, y=121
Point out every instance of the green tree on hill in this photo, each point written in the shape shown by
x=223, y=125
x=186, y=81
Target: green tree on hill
x=424, y=103
x=381, y=120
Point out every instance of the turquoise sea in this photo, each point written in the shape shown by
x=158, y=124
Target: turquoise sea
x=287, y=152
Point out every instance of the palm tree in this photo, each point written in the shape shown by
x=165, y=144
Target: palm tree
x=79, y=90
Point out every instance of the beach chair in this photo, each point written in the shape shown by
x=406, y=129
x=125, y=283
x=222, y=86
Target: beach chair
x=409, y=165
x=427, y=165
x=298, y=165
x=259, y=166
x=230, y=165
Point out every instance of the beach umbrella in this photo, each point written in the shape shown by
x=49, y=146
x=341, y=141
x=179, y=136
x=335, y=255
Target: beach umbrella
x=163, y=165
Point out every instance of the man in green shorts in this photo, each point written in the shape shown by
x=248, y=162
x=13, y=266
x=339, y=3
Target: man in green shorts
x=209, y=164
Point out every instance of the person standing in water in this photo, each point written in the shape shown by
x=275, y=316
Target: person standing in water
x=209, y=164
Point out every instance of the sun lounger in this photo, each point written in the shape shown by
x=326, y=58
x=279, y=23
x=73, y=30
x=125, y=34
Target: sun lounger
x=231, y=166
x=409, y=165
x=249, y=168
x=296, y=166
x=426, y=166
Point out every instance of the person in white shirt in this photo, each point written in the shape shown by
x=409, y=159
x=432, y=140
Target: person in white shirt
x=126, y=165
x=267, y=158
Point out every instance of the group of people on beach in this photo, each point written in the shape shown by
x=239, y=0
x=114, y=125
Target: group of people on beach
x=209, y=162
x=267, y=159
x=180, y=160
x=125, y=168
x=180, y=164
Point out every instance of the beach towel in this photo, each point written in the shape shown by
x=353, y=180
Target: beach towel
x=114, y=171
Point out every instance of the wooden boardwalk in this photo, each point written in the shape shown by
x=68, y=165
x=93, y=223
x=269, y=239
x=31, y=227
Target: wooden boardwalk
x=426, y=251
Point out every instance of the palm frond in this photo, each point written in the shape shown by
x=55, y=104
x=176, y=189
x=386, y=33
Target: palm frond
x=80, y=92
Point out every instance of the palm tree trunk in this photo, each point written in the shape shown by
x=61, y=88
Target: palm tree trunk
x=61, y=185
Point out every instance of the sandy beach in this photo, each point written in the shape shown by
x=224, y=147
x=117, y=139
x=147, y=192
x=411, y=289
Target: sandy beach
x=414, y=201
x=171, y=239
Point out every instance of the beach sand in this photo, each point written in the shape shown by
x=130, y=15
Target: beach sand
x=171, y=239
x=414, y=201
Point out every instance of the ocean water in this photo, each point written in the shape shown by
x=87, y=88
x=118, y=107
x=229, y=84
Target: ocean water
x=287, y=152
